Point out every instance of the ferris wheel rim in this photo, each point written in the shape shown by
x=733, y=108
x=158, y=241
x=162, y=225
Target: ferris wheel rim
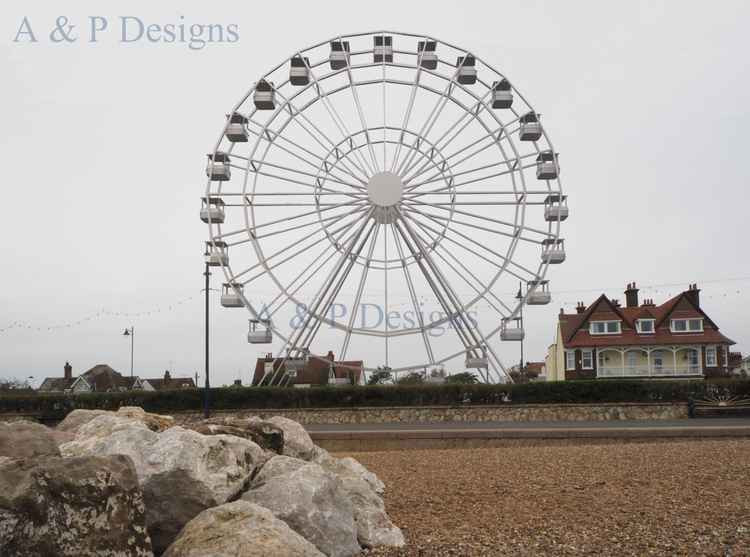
x=554, y=228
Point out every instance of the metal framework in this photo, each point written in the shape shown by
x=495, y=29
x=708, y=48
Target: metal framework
x=389, y=168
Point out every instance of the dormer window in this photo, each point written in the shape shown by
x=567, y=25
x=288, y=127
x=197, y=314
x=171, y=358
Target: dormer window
x=645, y=326
x=686, y=325
x=604, y=327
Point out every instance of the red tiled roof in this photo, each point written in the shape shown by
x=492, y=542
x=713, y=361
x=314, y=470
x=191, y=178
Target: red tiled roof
x=574, y=334
x=314, y=373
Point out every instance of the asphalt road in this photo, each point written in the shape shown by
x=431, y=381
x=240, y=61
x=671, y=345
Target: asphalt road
x=711, y=423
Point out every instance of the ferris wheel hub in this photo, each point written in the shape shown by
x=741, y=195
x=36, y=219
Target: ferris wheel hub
x=385, y=189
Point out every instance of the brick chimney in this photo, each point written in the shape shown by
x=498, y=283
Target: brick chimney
x=581, y=307
x=631, y=296
x=330, y=356
x=694, y=294
x=68, y=369
x=167, y=376
x=648, y=302
x=615, y=302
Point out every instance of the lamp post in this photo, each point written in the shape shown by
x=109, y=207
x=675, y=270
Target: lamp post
x=207, y=274
x=130, y=333
x=519, y=297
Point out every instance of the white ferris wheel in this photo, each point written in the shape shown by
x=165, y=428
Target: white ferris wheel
x=383, y=187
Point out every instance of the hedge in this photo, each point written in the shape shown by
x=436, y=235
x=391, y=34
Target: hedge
x=51, y=405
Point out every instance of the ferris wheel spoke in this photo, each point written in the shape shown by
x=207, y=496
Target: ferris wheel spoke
x=272, y=136
x=255, y=166
x=432, y=118
x=413, y=296
x=337, y=236
x=315, y=239
x=409, y=108
x=495, y=137
x=301, y=215
x=311, y=223
x=466, y=271
x=514, y=168
x=375, y=166
x=452, y=305
x=291, y=257
x=463, y=246
x=437, y=218
x=301, y=116
x=514, y=226
x=358, y=295
x=469, y=115
x=336, y=118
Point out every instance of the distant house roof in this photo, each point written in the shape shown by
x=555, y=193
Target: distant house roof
x=534, y=367
x=316, y=372
x=55, y=384
x=575, y=333
x=163, y=384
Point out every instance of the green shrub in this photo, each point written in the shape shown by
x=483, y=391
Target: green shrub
x=594, y=391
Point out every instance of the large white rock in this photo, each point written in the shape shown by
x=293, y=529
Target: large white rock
x=374, y=527
x=297, y=442
x=277, y=466
x=239, y=529
x=77, y=418
x=180, y=471
x=312, y=501
x=71, y=507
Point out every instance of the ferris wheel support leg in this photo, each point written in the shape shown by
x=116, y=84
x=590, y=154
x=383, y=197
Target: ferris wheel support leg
x=340, y=283
x=435, y=289
x=296, y=345
x=413, y=296
x=474, y=342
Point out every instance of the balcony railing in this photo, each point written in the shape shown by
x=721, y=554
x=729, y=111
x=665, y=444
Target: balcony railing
x=645, y=371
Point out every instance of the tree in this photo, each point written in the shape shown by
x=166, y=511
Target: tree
x=464, y=378
x=413, y=378
x=13, y=383
x=380, y=377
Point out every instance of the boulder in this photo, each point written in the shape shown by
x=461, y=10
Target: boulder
x=180, y=471
x=313, y=503
x=239, y=529
x=262, y=433
x=297, y=442
x=374, y=528
x=89, y=506
x=277, y=466
x=77, y=418
x=24, y=439
x=348, y=466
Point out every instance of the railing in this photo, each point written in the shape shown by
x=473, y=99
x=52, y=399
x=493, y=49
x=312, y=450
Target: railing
x=645, y=371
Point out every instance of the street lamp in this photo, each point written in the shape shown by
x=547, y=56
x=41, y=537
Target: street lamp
x=130, y=333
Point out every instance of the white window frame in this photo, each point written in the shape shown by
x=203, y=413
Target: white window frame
x=726, y=356
x=714, y=356
x=640, y=322
x=606, y=326
x=570, y=355
x=590, y=357
x=687, y=322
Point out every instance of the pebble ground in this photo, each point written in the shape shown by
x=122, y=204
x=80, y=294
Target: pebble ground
x=570, y=498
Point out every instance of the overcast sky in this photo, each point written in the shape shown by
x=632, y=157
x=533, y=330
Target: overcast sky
x=104, y=150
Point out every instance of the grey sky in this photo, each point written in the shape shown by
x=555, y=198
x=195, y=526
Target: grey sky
x=104, y=149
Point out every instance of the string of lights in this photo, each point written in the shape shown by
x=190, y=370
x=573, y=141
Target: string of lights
x=395, y=305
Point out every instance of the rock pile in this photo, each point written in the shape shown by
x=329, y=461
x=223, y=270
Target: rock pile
x=133, y=483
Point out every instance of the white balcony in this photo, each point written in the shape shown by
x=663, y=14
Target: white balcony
x=646, y=371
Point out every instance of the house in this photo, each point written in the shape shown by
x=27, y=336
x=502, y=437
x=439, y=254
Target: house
x=531, y=371
x=58, y=384
x=604, y=340
x=102, y=379
x=164, y=383
x=316, y=372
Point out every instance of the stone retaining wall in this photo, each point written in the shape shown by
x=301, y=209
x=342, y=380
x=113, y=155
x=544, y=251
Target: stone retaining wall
x=433, y=414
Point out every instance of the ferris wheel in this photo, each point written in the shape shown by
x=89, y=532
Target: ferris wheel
x=396, y=195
